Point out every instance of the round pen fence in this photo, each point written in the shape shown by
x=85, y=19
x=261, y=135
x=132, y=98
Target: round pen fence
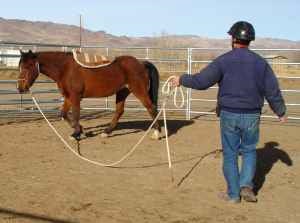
x=169, y=61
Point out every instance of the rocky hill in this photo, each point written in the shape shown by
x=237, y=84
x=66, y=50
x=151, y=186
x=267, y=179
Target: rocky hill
x=48, y=32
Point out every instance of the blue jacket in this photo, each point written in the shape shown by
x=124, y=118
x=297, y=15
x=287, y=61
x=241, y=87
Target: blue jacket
x=244, y=80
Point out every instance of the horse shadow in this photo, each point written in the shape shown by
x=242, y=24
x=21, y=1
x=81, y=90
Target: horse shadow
x=266, y=158
x=137, y=126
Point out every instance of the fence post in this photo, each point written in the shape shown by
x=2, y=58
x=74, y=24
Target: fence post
x=188, y=91
x=147, y=53
x=106, y=99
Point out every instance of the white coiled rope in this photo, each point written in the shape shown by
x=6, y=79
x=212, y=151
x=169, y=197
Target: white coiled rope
x=166, y=91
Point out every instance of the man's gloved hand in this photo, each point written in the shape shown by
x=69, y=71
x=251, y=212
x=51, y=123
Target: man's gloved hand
x=175, y=81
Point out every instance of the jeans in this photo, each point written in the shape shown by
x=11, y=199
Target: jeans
x=239, y=134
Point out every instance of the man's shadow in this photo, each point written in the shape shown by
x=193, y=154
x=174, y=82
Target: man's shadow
x=266, y=158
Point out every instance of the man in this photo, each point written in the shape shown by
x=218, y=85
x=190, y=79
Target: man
x=244, y=80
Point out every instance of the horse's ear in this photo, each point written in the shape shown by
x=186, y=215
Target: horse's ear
x=32, y=54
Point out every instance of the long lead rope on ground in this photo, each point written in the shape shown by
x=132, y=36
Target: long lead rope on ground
x=166, y=91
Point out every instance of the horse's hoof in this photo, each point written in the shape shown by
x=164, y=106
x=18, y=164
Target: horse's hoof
x=75, y=136
x=155, y=135
x=104, y=135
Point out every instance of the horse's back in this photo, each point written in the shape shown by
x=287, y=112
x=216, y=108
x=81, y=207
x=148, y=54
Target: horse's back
x=128, y=60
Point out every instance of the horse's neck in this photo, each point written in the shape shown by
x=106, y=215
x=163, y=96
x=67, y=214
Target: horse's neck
x=51, y=64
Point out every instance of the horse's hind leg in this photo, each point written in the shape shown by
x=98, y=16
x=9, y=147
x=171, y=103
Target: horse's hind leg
x=152, y=110
x=120, y=103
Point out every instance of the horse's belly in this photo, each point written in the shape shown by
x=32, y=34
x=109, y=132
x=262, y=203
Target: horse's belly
x=99, y=91
x=97, y=94
x=104, y=85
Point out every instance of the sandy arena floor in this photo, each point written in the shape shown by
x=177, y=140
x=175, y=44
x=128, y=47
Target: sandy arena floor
x=41, y=181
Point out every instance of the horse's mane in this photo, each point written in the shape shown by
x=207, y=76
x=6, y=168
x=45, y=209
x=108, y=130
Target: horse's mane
x=58, y=53
x=55, y=55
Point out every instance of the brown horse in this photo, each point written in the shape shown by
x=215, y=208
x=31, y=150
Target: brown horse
x=122, y=76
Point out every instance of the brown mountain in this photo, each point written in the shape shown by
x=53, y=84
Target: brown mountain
x=48, y=32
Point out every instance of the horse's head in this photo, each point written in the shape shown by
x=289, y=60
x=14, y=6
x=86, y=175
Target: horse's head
x=29, y=71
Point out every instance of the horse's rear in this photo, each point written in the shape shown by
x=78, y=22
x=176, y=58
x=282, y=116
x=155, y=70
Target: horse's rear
x=140, y=78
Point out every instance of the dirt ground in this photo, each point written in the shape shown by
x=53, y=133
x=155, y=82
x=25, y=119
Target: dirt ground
x=42, y=181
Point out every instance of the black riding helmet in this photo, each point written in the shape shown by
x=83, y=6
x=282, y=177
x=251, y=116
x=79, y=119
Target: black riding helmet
x=242, y=31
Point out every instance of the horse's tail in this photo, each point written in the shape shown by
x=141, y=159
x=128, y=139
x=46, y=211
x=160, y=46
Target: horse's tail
x=154, y=81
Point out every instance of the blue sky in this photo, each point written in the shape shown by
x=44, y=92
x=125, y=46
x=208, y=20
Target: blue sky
x=212, y=18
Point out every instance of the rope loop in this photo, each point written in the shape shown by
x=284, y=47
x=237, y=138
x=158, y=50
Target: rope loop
x=168, y=91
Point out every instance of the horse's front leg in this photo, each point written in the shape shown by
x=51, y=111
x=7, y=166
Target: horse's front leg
x=64, y=111
x=76, y=115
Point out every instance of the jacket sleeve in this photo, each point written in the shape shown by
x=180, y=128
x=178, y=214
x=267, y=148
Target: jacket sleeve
x=206, y=78
x=272, y=92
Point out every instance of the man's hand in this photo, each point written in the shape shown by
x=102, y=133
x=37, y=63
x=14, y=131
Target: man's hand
x=175, y=81
x=283, y=119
